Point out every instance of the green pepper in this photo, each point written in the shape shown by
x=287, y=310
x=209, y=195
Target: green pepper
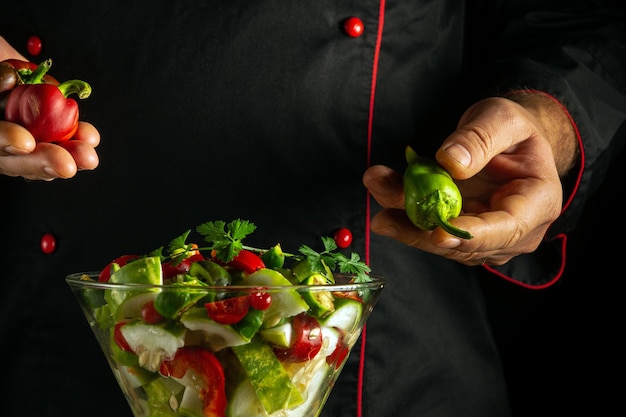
x=431, y=197
x=171, y=304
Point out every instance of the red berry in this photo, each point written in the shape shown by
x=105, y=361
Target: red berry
x=48, y=243
x=353, y=27
x=34, y=45
x=343, y=237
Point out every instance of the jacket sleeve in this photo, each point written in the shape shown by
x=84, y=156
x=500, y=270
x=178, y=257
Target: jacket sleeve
x=575, y=54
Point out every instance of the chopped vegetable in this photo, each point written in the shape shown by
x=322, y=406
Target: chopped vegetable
x=431, y=197
x=186, y=332
x=44, y=109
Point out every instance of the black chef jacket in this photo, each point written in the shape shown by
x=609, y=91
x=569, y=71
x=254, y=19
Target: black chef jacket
x=269, y=111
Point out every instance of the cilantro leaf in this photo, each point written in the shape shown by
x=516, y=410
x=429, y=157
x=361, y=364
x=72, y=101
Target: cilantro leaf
x=225, y=239
x=334, y=260
x=353, y=265
x=329, y=244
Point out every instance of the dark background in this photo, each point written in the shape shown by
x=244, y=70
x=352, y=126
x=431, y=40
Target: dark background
x=563, y=347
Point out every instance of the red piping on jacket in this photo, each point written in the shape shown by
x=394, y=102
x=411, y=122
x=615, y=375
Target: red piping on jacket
x=562, y=237
x=370, y=122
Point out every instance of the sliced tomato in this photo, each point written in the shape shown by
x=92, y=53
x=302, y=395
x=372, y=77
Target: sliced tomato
x=172, y=268
x=247, y=261
x=150, y=315
x=260, y=300
x=119, y=337
x=339, y=355
x=229, y=310
x=208, y=373
x=307, y=340
x=105, y=274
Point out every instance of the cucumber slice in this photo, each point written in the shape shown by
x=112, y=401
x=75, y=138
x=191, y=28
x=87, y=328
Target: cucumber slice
x=321, y=302
x=163, y=397
x=135, y=377
x=346, y=316
x=153, y=343
x=331, y=338
x=284, y=303
x=315, y=387
x=279, y=335
x=217, y=336
x=245, y=403
x=191, y=404
x=271, y=383
x=142, y=271
x=130, y=308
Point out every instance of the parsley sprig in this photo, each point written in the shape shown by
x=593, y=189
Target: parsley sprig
x=226, y=239
x=334, y=260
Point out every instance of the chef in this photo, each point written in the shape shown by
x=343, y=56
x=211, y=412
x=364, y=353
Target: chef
x=295, y=116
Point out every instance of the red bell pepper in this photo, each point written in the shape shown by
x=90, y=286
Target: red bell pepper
x=30, y=73
x=210, y=376
x=14, y=72
x=105, y=274
x=45, y=109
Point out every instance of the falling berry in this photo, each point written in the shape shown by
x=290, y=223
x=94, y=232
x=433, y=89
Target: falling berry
x=343, y=237
x=34, y=45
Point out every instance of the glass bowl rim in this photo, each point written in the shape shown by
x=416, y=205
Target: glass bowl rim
x=77, y=280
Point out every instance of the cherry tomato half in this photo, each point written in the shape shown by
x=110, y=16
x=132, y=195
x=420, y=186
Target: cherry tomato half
x=119, y=337
x=150, y=315
x=173, y=268
x=307, y=340
x=229, y=310
x=339, y=355
x=209, y=376
x=260, y=300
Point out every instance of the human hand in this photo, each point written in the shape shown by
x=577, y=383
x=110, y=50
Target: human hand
x=22, y=156
x=502, y=158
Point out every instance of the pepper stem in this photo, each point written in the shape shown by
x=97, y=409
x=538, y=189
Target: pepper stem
x=75, y=87
x=455, y=231
x=36, y=77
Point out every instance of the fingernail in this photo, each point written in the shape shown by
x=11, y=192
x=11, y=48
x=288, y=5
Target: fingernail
x=15, y=151
x=449, y=243
x=460, y=153
x=51, y=172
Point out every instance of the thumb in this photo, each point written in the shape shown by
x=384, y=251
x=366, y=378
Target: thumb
x=488, y=128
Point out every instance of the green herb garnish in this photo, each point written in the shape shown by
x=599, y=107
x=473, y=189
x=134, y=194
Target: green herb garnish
x=226, y=241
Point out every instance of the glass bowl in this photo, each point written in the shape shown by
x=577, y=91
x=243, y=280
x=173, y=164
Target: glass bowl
x=237, y=351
